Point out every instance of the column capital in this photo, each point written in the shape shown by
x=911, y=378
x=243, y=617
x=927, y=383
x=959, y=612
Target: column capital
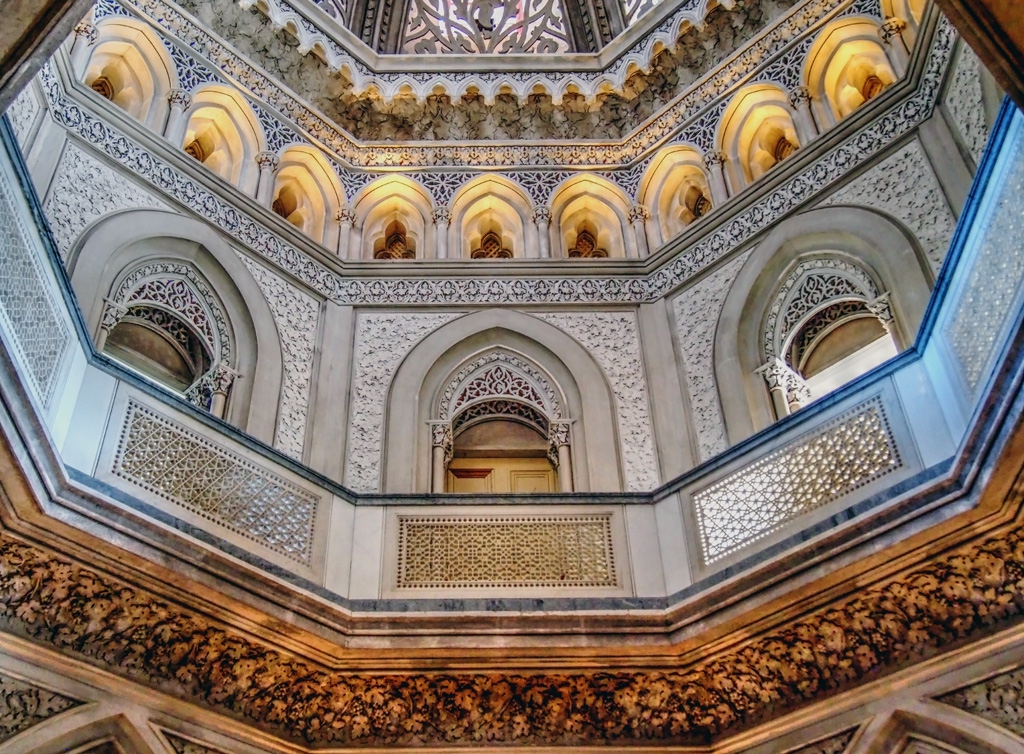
x=638, y=213
x=222, y=377
x=268, y=160
x=800, y=96
x=113, y=313
x=541, y=215
x=345, y=216
x=891, y=28
x=715, y=159
x=87, y=31
x=180, y=97
x=441, y=437
x=441, y=215
x=882, y=308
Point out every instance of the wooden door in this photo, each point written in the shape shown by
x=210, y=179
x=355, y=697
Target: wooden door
x=485, y=476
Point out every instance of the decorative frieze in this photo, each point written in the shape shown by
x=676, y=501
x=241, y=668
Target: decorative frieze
x=85, y=189
x=297, y=316
x=505, y=552
x=24, y=705
x=849, y=452
x=613, y=340
x=182, y=467
x=904, y=186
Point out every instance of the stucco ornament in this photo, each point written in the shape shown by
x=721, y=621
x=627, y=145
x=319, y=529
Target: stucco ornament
x=697, y=311
x=382, y=341
x=85, y=189
x=613, y=339
x=999, y=700
x=904, y=186
x=296, y=315
x=965, y=102
x=23, y=113
x=23, y=705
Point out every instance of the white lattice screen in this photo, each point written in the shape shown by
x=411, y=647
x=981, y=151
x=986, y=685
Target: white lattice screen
x=854, y=449
x=184, y=468
x=460, y=552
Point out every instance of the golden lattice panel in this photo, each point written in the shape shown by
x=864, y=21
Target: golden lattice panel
x=849, y=452
x=467, y=552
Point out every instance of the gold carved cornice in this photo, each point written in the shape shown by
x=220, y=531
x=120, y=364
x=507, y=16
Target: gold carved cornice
x=955, y=597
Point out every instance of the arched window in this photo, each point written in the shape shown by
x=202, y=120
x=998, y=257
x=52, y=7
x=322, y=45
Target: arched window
x=757, y=132
x=395, y=244
x=307, y=194
x=161, y=345
x=491, y=219
x=586, y=245
x=491, y=247
x=677, y=190
x=590, y=219
x=500, y=428
x=224, y=135
x=387, y=204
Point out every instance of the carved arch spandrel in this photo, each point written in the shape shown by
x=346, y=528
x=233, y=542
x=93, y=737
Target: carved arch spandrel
x=929, y=723
x=89, y=729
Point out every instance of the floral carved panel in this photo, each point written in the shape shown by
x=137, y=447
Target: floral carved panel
x=382, y=341
x=613, y=339
x=697, y=311
x=297, y=316
x=23, y=705
x=999, y=700
x=23, y=113
x=85, y=189
x=904, y=186
x=966, y=104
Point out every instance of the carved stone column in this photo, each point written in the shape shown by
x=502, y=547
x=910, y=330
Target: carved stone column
x=715, y=162
x=542, y=218
x=222, y=377
x=638, y=217
x=347, y=219
x=788, y=390
x=85, y=38
x=180, y=101
x=440, y=455
x=560, y=454
x=441, y=216
x=113, y=313
x=892, y=33
x=268, y=162
x=803, y=120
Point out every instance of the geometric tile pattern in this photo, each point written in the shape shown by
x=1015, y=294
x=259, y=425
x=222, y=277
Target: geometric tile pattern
x=852, y=450
x=464, y=552
x=186, y=469
x=28, y=313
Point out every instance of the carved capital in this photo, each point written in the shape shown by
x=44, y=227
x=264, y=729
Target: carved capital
x=780, y=376
x=441, y=215
x=541, y=215
x=345, y=216
x=714, y=160
x=638, y=213
x=267, y=161
x=891, y=29
x=222, y=377
x=559, y=434
x=441, y=437
x=113, y=313
x=86, y=31
x=882, y=309
x=179, y=98
x=800, y=97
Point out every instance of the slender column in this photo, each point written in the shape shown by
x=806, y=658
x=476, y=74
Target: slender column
x=347, y=218
x=542, y=218
x=803, y=120
x=222, y=378
x=441, y=217
x=562, y=456
x=882, y=308
x=892, y=32
x=85, y=38
x=174, y=131
x=268, y=162
x=715, y=162
x=638, y=217
x=440, y=455
x=112, y=314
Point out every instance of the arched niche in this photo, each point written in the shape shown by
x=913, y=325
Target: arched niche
x=384, y=205
x=865, y=238
x=676, y=190
x=307, y=193
x=415, y=389
x=117, y=244
x=224, y=134
x=491, y=207
x=757, y=133
x=131, y=68
x=847, y=66
x=590, y=218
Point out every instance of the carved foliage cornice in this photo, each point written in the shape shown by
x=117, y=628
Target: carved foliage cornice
x=961, y=595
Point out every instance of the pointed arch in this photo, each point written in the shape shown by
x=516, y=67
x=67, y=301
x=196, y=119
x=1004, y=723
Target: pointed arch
x=589, y=204
x=224, y=134
x=491, y=204
x=676, y=189
x=756, y=132
x=389, y=200
x=307, y=193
